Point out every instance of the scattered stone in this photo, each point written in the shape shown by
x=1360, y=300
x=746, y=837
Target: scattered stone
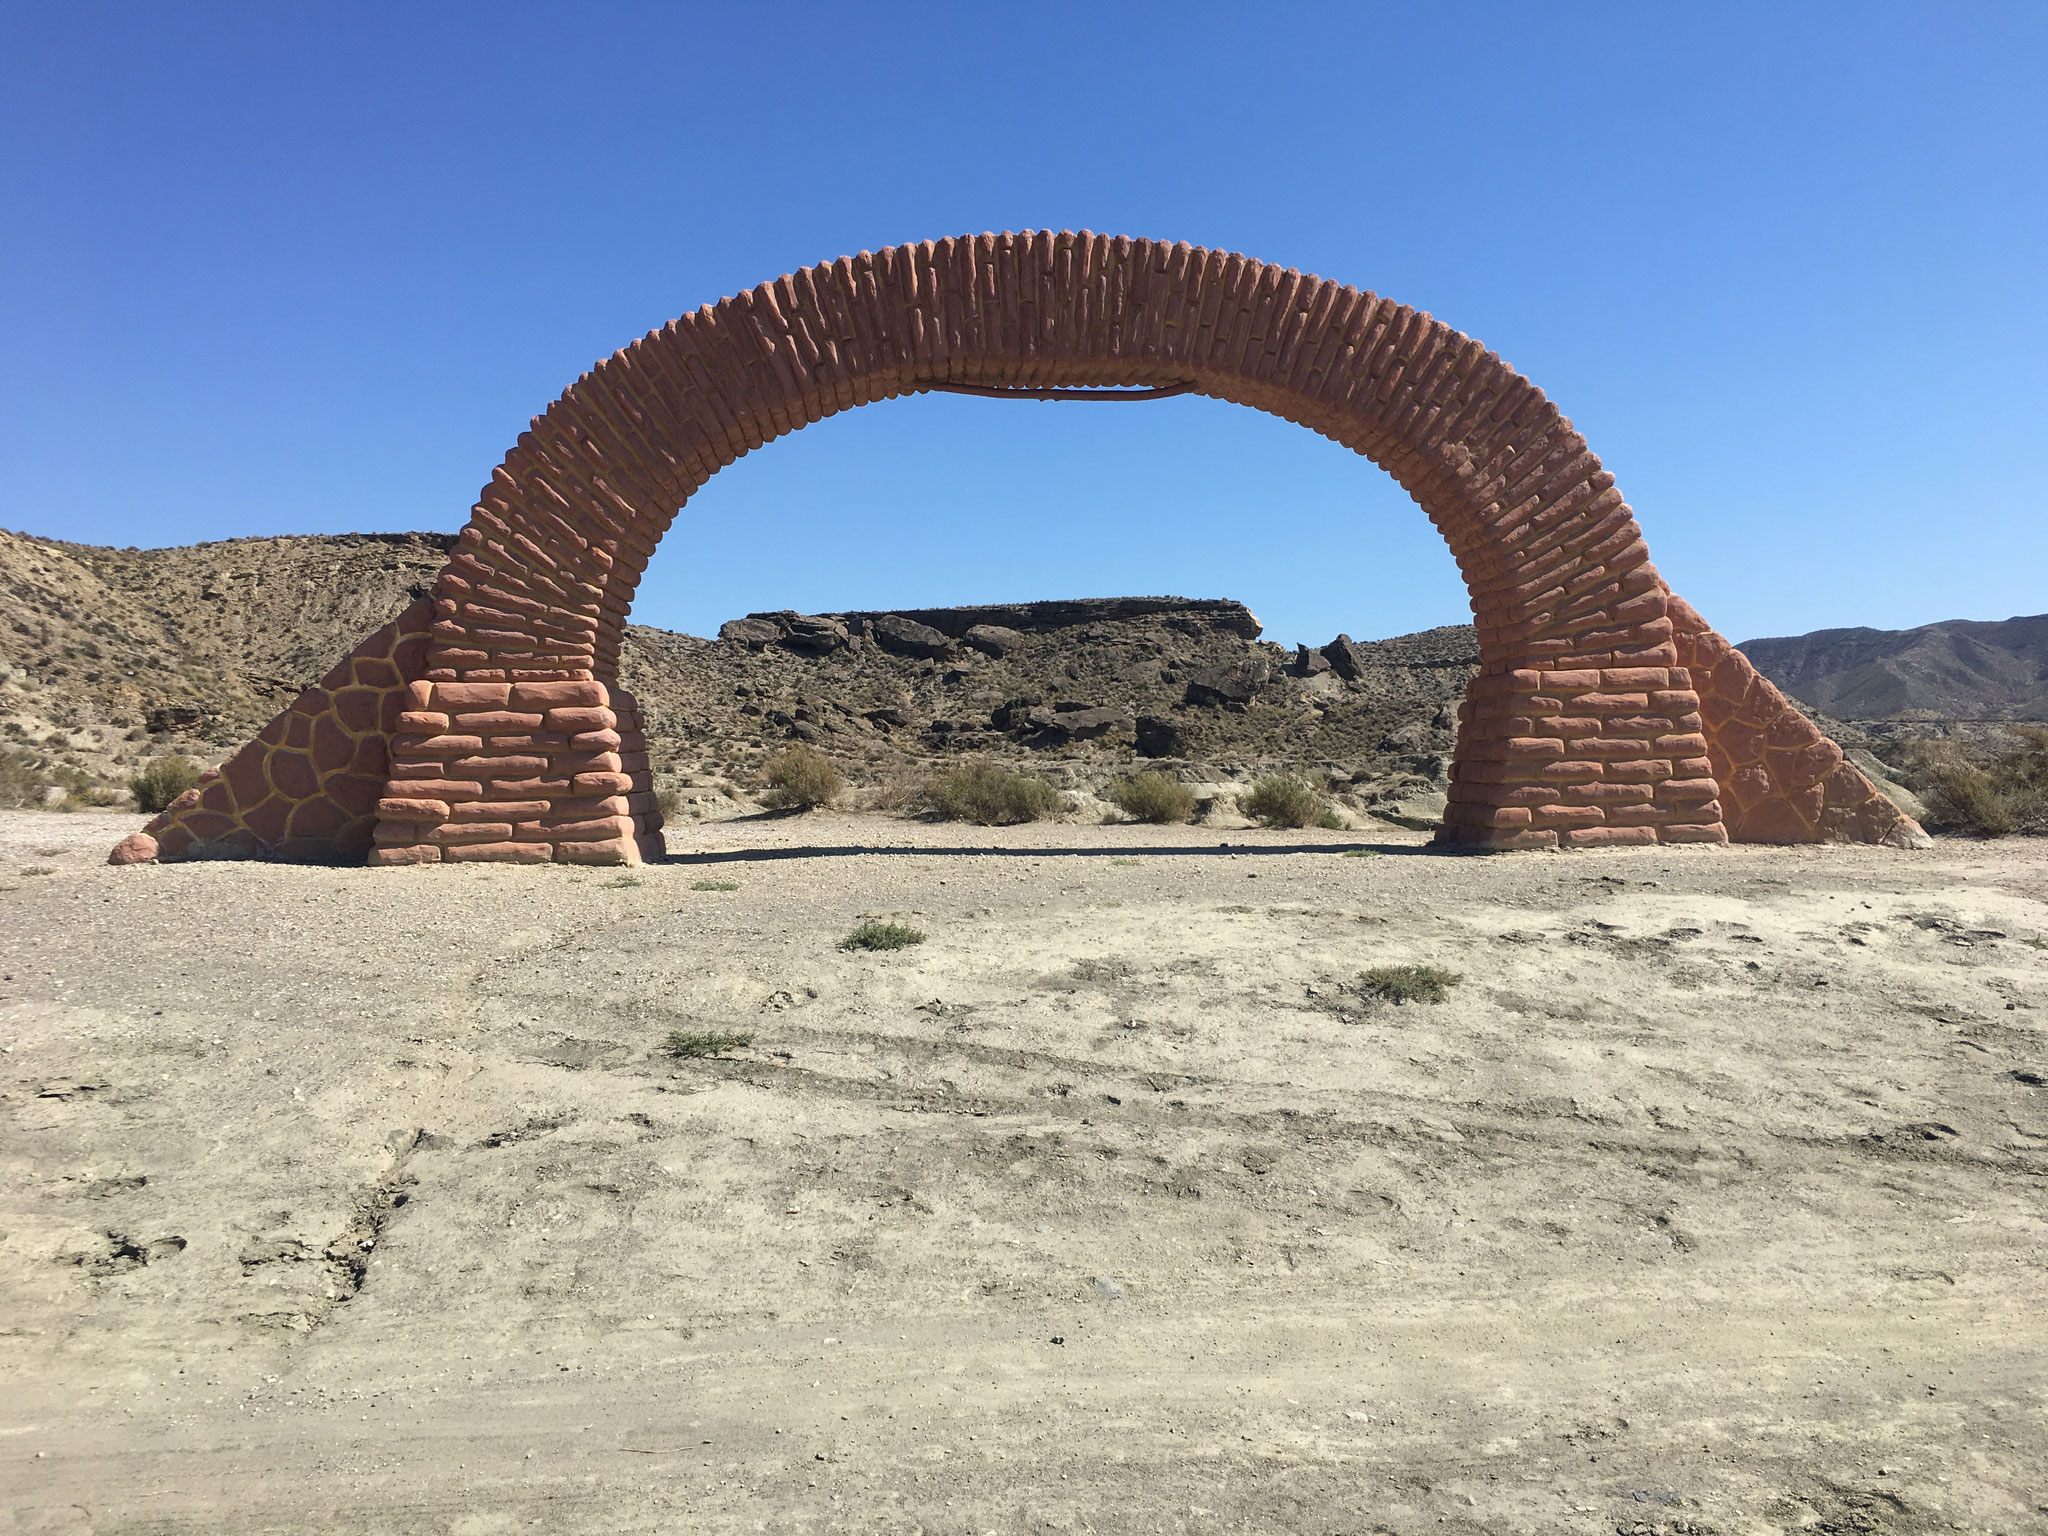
x=1307, y=662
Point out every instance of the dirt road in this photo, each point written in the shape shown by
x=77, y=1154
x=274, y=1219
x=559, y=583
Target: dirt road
x=1710, y=1200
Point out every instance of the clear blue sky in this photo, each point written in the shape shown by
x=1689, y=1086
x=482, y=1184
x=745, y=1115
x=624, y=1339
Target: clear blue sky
x=280, y=268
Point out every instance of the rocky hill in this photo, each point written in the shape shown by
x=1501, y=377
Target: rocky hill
x=108, y=656
x=1957, y=670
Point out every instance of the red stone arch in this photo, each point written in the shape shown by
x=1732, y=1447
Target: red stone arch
x=1606, y=711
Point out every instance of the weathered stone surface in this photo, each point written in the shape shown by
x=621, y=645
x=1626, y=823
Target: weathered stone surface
x=813, y=634
x=752, y=633
x=992, y=639
x=135, y=848
x=1160, y=736
x=1344, y=659
x=907, y=637
x=1308, y=662
x=1237, y=683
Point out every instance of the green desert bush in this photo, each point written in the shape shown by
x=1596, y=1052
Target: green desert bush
x=873, y=935
x=1407, y=983
x=688, y=1043
x=1153, y=797
x=1988, y=793
x=800, y=778
x=989, y=795
x=162, y=780
x=1283, y=800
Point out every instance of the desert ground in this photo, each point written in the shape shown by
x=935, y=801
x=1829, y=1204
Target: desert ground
x=1710, y=1200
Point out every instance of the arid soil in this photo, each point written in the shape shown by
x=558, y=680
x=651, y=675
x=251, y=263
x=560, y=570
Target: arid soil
x=1710, y=1200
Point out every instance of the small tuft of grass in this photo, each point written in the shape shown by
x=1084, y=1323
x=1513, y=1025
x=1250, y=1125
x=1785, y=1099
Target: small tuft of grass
x=1153, y=797
x=690, y=1043
x=1361, y=853
x=873, y=935
x=1408, y=983
x=1124, y=861
x=714, y=885
x=2036, y=943
x=39, y=869
x=622, y=883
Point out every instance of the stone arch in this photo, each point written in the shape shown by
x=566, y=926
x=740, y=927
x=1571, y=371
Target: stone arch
x=1606, y=711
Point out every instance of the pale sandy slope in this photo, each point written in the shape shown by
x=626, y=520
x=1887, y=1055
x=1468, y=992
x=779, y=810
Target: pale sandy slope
x=1711, y=1201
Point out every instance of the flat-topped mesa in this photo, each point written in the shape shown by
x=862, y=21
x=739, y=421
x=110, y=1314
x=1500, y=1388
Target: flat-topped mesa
x=1214, y=613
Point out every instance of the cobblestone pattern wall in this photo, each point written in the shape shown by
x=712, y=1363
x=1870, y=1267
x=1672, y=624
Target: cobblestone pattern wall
x=1782, y=780
x=1584, y=728
x=306, y=789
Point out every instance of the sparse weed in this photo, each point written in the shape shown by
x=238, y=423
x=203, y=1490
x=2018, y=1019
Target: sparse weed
x=1408, y=983
x=989, y=795
x=622, y=883
x=714, y=885
x=1282, y=800
x=1361, y=853
x=1125, y=861
x=1153, y=797
x=695, y=1043
x=873, y=935
x=800, y=778
x=39, y=869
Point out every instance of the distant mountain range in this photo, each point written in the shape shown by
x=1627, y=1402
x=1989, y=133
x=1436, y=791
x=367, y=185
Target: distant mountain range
x=1962, y=669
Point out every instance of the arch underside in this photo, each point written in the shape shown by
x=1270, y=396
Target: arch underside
x=1606, y=711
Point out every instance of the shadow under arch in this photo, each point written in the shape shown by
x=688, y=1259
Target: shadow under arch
x=486, y=723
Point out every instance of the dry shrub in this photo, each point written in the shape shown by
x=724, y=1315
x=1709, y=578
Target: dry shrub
x=1282, y=800
x=989, y=795
x=21, y=781
x=1987, y=793
x=161, y=781
x=800, y=778
x=1153, y=797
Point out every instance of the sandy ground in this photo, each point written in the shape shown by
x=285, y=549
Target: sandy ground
x=1710, y=1201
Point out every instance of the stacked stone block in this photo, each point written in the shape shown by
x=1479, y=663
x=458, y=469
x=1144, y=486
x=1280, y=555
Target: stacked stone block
x=535, y=772
x=1604, y=713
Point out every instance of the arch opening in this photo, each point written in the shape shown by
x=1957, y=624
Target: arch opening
x=487, y=724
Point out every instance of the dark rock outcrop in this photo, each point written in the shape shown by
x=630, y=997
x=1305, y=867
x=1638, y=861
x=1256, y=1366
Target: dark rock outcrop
x=993, y=639
x=907, y=637
x=1343, y=656
x=1236, y=683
